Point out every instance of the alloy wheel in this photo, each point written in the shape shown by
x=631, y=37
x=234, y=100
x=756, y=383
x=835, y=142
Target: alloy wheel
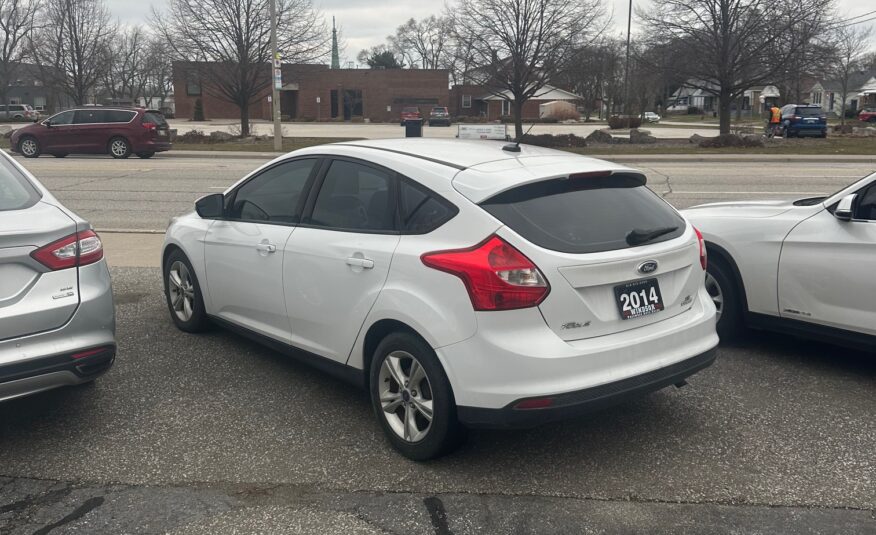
x=405, y=396
x=716, y=293
x=181, y=290
x=119, y=147
x=28, y=147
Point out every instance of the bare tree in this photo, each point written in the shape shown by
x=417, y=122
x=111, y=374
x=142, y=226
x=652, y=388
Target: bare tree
x=519, y=45
x=159, y=69
x=732, y=45
x=851, y=47
x=127, y=73
x=71, y=47
x=16, y=24
x=596, y=73
x=423, y=44
x=231, y=39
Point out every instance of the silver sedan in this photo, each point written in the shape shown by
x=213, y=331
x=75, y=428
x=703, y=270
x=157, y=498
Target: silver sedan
x=57, y=323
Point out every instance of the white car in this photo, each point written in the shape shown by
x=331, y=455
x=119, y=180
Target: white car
x=463, y=283
x=804, y=267
x=651, y=117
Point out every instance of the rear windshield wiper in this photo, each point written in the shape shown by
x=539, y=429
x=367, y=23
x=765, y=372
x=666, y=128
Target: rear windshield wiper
x=640, y=236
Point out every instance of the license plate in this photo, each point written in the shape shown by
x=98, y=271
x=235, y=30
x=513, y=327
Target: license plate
x=639, y=298
x=162, y=133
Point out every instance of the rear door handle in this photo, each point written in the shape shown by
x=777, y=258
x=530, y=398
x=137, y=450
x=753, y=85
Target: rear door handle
x=365, y=263
x=266, y=248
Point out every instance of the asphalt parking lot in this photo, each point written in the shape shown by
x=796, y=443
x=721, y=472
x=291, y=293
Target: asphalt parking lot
x=214, y=434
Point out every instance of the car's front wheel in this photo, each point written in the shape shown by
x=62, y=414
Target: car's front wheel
x=412, y=398
x=725, y=295
x=184, y=298
x=29, y=147
x=119, y=148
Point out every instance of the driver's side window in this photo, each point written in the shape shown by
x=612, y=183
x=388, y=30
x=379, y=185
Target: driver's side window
x=866, y=204
x=274, y=195
x=65, y=117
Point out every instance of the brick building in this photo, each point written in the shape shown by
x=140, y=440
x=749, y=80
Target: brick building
x=315, y=92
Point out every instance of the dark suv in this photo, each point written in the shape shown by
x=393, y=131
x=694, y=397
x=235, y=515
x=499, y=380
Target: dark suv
x=118, y=132
x=439, y=115
x=804, y=119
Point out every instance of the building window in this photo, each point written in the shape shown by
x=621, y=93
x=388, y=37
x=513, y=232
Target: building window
x=816, y=97
x=466, y=101
x=193, y=85
x=39, y=102
x=506, y=107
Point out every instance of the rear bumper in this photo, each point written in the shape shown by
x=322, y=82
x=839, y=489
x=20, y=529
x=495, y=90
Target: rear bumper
x=515, y=356
x=45, y=373
x=153, y=146
x=572, y=404
x=37, y=362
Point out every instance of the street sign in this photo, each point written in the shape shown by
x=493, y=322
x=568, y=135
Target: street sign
x=318, y=100
x=482, y=131
x=278, y=78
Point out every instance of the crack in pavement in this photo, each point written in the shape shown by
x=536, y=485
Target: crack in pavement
x=668, y=180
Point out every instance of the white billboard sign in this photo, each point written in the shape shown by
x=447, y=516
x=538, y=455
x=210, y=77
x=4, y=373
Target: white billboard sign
x=482, y=131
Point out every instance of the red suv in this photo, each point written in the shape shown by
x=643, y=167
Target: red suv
x=118, y=132
x=410, y=112
x=867, y=115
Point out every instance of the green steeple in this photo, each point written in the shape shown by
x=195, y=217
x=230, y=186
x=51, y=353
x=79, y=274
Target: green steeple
x=336, y=61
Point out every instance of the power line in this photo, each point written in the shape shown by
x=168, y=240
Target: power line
x=858, y=22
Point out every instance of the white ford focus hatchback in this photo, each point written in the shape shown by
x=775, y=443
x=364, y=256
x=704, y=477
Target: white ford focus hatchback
x=464, y=284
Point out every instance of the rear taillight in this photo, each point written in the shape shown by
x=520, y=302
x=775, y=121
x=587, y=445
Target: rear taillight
x=704, y=261
x=496, y=275
x=150, y=126
x=78, y=249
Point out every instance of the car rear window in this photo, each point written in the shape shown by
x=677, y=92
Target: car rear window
x=587, y=214
x=155, y=117
x=411, y=110
x=809, y=112
x=16, y=192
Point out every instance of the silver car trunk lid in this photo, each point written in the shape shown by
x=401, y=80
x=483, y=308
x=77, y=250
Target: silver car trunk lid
x=32, y=298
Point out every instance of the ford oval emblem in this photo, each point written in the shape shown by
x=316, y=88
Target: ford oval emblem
x=649, y=266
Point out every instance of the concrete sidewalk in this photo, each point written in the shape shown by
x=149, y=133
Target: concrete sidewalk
x=132, y=249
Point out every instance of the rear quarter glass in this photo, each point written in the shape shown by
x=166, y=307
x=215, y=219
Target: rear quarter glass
x=16, y=192
x=585, y=215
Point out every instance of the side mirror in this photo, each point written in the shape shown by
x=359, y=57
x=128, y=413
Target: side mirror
x=844, y=209
x=48, y=123
x=211, y=207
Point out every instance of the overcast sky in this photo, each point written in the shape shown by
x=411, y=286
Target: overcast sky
x=366, y=23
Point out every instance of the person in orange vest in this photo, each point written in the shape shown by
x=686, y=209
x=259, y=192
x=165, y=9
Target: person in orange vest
x=775, y=119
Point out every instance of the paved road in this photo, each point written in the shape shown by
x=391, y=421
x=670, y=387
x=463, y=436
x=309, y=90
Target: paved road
x=215, y=434
x=145, y=194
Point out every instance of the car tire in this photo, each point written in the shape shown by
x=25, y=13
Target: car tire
x=721, y=286
x=872, y=119
x=183, y=294
x=145, y=155
x=29, y=147
x=395, y=383
x=119, y=148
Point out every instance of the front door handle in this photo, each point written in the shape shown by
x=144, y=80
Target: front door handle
x=265, y=248
x=364, y=263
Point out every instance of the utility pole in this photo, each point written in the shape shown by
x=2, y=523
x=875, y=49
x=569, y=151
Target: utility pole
x=277, y=79
x=627, y=66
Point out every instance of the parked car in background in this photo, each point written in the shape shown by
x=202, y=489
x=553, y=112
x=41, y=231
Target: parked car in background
x=118, y=132
x=439, y=116
x=410, y=112
x=469, y=283
x=57, y=324
x=651, y=117
x=804, y=267
x=18, y=112
x=804, y=120
x=867, y=115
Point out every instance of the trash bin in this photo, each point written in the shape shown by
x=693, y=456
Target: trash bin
x=413, y=128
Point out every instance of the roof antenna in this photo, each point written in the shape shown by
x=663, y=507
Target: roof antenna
x=515, y=147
